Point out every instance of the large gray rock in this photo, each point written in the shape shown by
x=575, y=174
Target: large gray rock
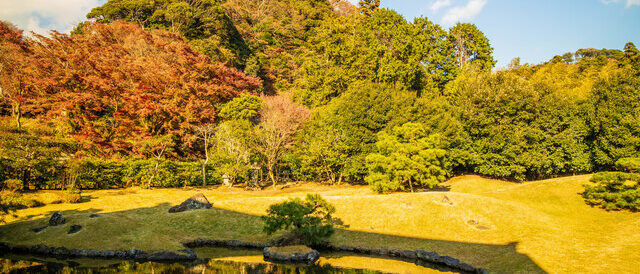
x=280, y=254
x=428, y=256
x=57, y=219
x=409, y=254
x=78, y=252
x=450, y=262
x=121, y=254
x=107, y=254
x=191, y=254
x=198, y=201
x=140, y=255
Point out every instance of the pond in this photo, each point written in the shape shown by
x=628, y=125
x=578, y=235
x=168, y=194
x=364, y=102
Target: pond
x=219, y=260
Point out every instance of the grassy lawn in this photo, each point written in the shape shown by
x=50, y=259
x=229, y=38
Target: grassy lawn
x=542, y=226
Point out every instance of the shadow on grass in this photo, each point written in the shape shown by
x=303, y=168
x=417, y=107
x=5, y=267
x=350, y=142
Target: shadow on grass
x=153, y=228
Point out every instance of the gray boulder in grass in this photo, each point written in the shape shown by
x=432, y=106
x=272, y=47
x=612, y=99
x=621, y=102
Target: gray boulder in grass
x=198, y=201
x=57, y=219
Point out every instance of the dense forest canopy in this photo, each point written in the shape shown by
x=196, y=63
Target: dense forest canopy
x=190, y=90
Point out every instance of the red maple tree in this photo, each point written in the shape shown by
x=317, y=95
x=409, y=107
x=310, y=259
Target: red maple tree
x=117, y=85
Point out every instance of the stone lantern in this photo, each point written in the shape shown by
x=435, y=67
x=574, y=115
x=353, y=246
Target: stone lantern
x=226, y=180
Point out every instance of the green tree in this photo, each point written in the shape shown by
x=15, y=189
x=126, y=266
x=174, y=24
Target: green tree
x=232, y=149
x=381, y=48
x=244, y=107
x=615, y=118
x=310, y=219
x=632, y=55
x=408, y=155
x=34, y=156
x=435, y=52
x=628, y=164
x=630, y=49
x=520, y=130
x=471, y=47
x=321, y=151
x=157, y=148
x=359, y=114
x=136, y=11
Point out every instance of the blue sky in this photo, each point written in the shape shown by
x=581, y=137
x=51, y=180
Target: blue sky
x=534, y=30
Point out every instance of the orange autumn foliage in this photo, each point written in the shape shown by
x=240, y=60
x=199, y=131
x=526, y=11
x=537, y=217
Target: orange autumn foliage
x=117, y=84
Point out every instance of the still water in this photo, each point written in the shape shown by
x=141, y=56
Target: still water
x=218, y=260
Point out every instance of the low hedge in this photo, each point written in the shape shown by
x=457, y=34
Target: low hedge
x=100, y=174
x=105, y=174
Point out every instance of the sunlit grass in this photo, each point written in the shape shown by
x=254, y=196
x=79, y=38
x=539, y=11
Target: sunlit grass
x=502, y=226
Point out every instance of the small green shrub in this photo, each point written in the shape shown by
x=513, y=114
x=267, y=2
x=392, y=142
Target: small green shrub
x=614, y=191
x=71, y=195
x=310, y=218
x=628, y=164
x=14, y=201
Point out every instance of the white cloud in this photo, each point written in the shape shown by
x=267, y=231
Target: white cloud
x=42, y=15
x=463, y=13
x=439, y=4
x=629, y=2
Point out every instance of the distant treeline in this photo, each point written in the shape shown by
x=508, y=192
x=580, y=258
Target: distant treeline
x=184, y=92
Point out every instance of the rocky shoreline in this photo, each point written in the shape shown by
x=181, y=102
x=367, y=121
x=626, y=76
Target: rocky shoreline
x=188, y=254
x=416, y=255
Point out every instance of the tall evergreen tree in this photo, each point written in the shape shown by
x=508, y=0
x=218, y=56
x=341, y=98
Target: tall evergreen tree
x=471, y=46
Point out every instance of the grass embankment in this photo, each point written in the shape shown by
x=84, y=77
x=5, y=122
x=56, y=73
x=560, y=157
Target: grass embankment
x=504, y=227
x=290, y=250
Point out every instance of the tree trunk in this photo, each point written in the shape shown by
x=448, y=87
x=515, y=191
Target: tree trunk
x=411, y=185
x=204, y=164
x=19, y=115
x=332, y=177
x=16, y=111
x=25, y=182
x=204, y=173
x=272, y=176
x=155, y=170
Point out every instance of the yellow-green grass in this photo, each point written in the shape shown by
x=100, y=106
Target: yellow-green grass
x=542, y=226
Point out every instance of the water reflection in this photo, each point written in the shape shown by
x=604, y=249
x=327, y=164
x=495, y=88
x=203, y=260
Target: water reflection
x=218, y=260
x=337, y=260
